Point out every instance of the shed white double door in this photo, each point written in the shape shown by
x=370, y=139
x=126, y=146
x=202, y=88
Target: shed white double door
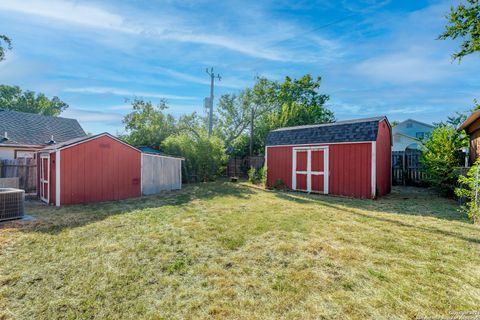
x=310, y=169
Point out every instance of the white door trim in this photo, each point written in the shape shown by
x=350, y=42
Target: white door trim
x=309, y=171
x=57, y=178
x=44, y=181
x=374, y=169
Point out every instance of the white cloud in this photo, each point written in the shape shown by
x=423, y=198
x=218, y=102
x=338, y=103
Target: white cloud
x=225, y=82
x=403, y=67
x=87, y=116
x=165, y=27
x=408, y=110
x=127, y=93
x=70, y=12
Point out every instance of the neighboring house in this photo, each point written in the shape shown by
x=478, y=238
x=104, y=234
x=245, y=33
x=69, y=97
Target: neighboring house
x=409, y=133
x=23, y=134
x=472, y=128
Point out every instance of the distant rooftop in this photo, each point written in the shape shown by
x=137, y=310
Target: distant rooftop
x=23, y=128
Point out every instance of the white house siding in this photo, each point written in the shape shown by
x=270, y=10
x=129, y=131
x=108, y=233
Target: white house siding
x=401, y=142
x=7, y=153
x=405, y=134
x=160, y=173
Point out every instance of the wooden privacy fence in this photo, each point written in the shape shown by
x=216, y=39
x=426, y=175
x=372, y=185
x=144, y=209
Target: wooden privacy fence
x=407, y=168
x=238, y=167
x=23, y=169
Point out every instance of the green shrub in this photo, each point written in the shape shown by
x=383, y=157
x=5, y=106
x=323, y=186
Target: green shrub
x=262, y=175
x=205, y=157
x=470, y=191
x=257, y=176
x=441, y=156
x=252, y=175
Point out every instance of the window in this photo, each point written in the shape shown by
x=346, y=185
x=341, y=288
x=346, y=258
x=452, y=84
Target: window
x=420, y=135
x=409, y=125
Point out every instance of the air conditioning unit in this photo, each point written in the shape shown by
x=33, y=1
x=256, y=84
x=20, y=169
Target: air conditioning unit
x=12, y=203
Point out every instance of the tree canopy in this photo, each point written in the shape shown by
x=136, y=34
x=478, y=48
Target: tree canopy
x=13, y=98
x=269, y=105
x=464, y=23
x=148, y=125
x=442, y=154
x=5, y=44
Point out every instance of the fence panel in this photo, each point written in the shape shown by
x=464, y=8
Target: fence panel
x=23, y=169
x=407, y=168
x=238, y=167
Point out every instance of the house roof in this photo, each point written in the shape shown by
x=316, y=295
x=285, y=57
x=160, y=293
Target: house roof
x=470, y=120
x=75, y=141
x=419, y=122
x=149, y=150
x=406, y=136
x=34, y=129
x=72, y=142
x=356, y=130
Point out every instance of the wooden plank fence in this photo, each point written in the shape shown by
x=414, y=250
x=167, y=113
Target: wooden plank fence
x=238, y=167
x=407, y=168
x=23, y=169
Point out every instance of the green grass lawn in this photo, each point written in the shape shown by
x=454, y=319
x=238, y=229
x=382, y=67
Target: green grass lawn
x=221, y=250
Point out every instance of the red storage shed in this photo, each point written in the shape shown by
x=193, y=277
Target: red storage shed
x=345, y=158
x=90, y=169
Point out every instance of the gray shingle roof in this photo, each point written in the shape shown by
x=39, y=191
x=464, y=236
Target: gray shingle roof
x=341, y=131
x=33, y=129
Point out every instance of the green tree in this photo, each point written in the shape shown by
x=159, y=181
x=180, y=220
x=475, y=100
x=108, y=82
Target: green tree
x=442, y=155
x=205, y=156
x=470, y=190
x=269, y=105
x=5, y=44
x=13, y=98
x=232, y=116
x=300, y=103
x=294, y=102
x=148, y=125
x=464, y=23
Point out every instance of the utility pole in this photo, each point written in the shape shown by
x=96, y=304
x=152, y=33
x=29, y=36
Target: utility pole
x=212, y=83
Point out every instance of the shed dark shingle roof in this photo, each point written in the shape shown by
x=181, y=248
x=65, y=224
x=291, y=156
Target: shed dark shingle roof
x=34, y=129
x=341, y=131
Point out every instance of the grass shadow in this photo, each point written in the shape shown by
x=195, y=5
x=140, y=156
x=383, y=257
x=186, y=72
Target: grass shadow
x=51, y=220
x=386, y=205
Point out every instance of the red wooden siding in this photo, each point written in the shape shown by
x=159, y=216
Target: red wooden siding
x=384, y=159
x=350, y=170
x=279, y=166
x=350, y=167
x=101, y=169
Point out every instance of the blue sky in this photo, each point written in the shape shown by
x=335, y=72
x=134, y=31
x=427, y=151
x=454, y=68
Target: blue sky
x=375, y=57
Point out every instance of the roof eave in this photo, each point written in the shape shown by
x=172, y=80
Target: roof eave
x=472, y=118
x=18, y=145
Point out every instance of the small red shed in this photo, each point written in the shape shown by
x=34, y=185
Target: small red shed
x=89, y=169
x=345, y=158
